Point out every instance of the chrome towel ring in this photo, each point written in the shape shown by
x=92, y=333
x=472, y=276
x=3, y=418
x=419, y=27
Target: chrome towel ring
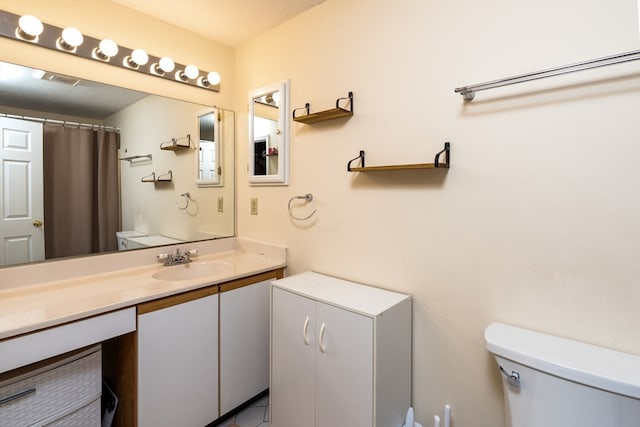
x=187, y=197
x=307, y=198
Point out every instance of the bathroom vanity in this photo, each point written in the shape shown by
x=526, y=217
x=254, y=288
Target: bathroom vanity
x=172, y=343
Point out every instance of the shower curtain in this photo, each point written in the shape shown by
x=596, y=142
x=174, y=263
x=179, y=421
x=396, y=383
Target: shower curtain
x=81, y=191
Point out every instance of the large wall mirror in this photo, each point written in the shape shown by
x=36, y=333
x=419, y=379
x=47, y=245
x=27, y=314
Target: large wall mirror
x=269, y=135
x=90, y=168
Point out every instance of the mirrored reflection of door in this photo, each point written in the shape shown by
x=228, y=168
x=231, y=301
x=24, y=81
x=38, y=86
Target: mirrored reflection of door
x=209, y=152
x=21, y=201
x=260, y=159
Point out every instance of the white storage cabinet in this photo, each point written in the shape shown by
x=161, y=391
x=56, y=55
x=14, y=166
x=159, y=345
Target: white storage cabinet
x=178, y=360
x=340, y=353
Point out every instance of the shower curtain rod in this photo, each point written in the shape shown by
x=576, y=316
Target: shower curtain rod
x=468, y=92
x=61, y=122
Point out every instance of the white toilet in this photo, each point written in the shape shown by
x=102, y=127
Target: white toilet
x=555, y=382
x=124, y=236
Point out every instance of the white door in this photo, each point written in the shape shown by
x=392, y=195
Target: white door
x=344, y=368
x=21, y=201
x=178, y=365
x=292, y=361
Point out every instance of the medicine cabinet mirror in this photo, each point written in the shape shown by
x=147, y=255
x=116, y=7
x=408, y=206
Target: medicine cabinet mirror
x=269, y=135
x=208, y=167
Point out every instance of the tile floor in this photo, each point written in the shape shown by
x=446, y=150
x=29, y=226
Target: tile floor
x=256, y=415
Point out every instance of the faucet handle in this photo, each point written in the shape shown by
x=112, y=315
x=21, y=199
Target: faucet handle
x=163, y=257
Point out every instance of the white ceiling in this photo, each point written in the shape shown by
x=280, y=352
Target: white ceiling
x=229, y=22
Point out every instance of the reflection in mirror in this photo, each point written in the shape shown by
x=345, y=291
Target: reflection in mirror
x=269, y=135
x=208, y=168
x=59, y=212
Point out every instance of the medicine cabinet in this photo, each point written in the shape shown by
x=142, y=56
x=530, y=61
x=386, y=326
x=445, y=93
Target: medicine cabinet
x=268, y=154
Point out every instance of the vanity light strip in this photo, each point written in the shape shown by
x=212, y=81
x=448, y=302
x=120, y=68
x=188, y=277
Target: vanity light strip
x=89, y=48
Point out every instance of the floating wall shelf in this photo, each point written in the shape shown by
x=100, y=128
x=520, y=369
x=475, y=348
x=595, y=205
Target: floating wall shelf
x=437, y=164
x=175, y=145
x=149, y=178
x=167, y=177
x=321, y=116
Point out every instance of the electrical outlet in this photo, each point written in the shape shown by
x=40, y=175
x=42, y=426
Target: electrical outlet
x=254, y=206
x=220, y=204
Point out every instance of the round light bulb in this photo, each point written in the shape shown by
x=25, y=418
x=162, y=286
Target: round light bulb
x=108, y=47
x=191, y=71
x=139, y=56
x=276, y=98
x=166, y=64
x=30, y=26
x=72, y=37
x=213, y=78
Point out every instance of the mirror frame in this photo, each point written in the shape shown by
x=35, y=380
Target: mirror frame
x=282, y=177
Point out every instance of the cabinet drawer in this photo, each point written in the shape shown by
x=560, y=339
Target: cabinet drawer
x=87, y=416
x=46, y=394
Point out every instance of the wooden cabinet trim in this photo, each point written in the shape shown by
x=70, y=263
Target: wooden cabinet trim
x=159, y=304
x=252, y=280
x=172, y=300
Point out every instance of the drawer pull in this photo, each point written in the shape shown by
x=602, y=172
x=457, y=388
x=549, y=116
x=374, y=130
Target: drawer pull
x=18, y=395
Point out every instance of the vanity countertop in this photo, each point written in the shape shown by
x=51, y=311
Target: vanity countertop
x=30, y=308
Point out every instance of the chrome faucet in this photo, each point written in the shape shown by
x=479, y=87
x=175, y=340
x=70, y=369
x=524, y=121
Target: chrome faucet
x=177, y=257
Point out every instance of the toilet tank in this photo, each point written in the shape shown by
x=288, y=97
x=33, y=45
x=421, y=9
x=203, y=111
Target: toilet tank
x=550, y=381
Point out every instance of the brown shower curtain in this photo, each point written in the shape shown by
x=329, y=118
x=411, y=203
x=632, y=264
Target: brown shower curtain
x=81, y=193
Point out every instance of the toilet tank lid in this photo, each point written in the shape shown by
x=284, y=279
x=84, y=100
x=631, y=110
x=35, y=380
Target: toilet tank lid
x=587, y=364
x=129, y=233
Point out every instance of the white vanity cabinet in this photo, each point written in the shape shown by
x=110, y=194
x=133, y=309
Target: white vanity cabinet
x=244, y=341
x=340, y=353
x=177, y=360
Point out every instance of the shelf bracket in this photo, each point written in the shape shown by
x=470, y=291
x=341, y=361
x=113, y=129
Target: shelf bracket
x=307, y=108
x=447, y=157
x=360, y=156
x=349, y=98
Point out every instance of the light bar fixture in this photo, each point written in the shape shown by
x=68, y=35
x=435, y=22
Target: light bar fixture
x=30, y=29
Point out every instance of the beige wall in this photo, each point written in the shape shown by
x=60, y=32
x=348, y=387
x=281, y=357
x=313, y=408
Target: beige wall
x=536, y=223
x=102, y=19
x=151, y=208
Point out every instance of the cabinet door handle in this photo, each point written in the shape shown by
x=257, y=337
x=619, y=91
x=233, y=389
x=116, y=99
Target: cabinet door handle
x=305, y=331
x=18, y=395
x=321, y=338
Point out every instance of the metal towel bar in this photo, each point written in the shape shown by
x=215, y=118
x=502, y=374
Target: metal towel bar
x=468, y=92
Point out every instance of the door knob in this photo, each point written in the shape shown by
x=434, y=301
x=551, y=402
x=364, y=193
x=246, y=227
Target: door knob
x=37, y=223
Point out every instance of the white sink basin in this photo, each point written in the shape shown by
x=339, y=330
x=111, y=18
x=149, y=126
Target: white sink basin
x=193, y=270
